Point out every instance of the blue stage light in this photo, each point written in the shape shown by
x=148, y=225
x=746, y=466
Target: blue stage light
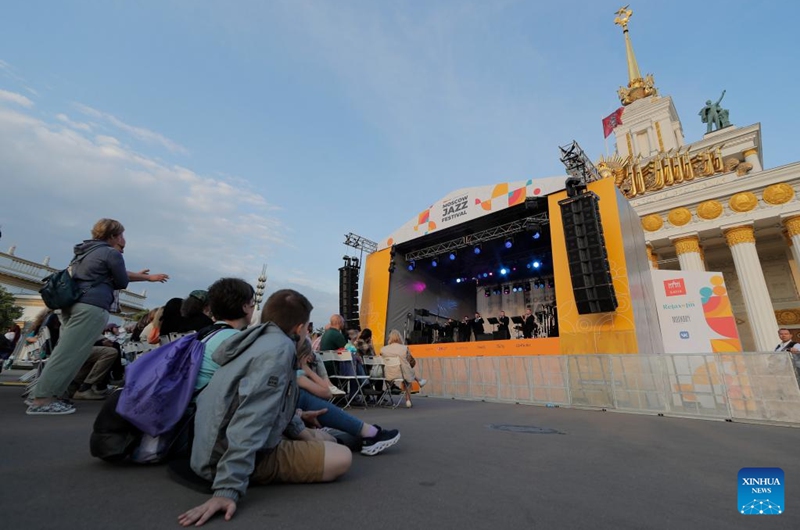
x=537, y=235
x=509, y=242
x=434, y=262
x=458, y=280
x=536, y=264
x=452, y=256
x=412, y=265
x=476, y=249
x=503, y=271
x=485, y=274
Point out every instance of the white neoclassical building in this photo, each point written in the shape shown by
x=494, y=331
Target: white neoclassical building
x=711, y=205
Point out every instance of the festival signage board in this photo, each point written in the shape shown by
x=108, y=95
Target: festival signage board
x=695, y=312
x=467, y=204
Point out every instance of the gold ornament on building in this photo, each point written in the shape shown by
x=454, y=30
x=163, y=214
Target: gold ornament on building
x=709, y=210
x=679, y=216
x=739, y=234
x=748, y=152
x=778, y=194
x=787, y=317
x=792, y=226
x=652, y=222
x=638, y=87
x=743, y=202
x=685, y=245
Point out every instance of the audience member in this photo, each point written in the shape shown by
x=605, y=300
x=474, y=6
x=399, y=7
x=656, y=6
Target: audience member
x=243, y=409
x=100, y=272
x=396, y=348
x=195, y=311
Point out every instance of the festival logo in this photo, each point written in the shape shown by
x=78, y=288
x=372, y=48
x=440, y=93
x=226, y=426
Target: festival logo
x=761, y=491
x=675, y=287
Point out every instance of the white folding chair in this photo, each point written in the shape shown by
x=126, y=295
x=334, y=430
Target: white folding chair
x=375, y=369
x=344, y=357
x=394, y=362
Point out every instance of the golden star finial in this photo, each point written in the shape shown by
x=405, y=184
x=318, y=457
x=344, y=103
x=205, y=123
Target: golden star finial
x=623, y=15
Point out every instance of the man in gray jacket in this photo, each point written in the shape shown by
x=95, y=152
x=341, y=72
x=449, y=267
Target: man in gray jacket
x=246, y=426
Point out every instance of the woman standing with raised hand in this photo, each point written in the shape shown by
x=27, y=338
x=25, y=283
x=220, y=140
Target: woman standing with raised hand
x=99, y=270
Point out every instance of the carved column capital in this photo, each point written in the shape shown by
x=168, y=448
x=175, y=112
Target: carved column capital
x=739, y=234
x=686, y=244
x=792, y=225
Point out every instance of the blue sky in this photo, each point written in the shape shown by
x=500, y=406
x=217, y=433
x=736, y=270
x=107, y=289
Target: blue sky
x=229, y=134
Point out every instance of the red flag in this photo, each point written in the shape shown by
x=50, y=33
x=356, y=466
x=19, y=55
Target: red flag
x=611, y=121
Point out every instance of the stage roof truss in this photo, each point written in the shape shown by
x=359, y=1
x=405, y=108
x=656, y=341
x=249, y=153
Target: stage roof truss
x=490, y=234
x=360, y=243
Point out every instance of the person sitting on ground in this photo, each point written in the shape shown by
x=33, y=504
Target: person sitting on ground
x=91, y=381
x=244, y=410
x=171, y=320
x=195, y=311
x=314, y=393
x=138, y=331
x=396, y=348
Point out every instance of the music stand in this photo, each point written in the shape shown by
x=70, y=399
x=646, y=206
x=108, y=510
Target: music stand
x=516, y=320
x=493, y=321
x=518, y=327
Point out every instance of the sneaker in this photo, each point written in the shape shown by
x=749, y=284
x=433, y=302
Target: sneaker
x=54, y=408
x=383, y=440
x=337, y=391
x=422, y=382
x=90, y=395
x=408, y=403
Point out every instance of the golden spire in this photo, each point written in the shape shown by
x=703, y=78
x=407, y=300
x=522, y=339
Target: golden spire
x=638, y=87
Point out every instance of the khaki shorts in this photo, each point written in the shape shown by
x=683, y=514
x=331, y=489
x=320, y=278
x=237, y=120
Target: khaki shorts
x=292, y=461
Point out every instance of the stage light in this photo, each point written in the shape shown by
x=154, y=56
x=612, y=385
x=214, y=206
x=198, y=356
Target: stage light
x=505, y=289
x=509, y=242
x=458, y=280
x=434, y=262
x=485, y=274
x=527, y=287
x=536, y=264
x=487, y=292
x=412, y=265
x=477, y=249
x=503, y=271
x=391, y=266
x=453, y=255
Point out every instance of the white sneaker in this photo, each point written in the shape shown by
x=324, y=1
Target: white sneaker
x=337, y=391
x=408, y=403
x=422, y=382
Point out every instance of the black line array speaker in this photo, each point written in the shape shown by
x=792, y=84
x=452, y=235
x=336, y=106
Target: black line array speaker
x=587, y=255
x=348, y=295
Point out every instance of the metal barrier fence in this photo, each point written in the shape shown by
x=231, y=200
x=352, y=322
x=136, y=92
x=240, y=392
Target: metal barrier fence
x=741, y=386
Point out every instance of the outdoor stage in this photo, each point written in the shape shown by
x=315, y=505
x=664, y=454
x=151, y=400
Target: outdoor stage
x=503, y=248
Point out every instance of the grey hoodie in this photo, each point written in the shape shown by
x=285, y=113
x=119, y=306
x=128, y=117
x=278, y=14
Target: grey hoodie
x=101, y=271
x=245, y=409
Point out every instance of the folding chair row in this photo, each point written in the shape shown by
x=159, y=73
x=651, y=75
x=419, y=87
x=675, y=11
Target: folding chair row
x=378, y=376
x=345, y=375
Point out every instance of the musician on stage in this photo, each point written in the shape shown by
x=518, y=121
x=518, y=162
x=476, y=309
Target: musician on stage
x=464, y=328
x=448, y=330
x=502, y=328
x=528, y=324
x=477, y=325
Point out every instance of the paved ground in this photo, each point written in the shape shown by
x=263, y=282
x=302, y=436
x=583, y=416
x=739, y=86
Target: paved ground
x=450, y=470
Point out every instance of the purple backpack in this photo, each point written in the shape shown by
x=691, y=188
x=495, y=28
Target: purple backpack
x=160, y=385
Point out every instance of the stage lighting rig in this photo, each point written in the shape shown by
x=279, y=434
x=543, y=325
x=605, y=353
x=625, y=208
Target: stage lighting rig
x=580, y=169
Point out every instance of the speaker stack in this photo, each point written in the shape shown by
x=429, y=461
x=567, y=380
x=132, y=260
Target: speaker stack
x=587, y=255
x=348, y=295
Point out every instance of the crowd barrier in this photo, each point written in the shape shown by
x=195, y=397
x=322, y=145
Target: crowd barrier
x=741, y=386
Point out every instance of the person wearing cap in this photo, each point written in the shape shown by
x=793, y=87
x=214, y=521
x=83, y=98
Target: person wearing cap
x=195, y=311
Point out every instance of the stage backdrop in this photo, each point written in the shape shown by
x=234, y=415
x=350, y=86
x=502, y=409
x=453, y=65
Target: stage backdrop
x=694, y=312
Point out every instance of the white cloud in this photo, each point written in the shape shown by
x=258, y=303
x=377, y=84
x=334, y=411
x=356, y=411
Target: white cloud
x=81, y=126
x=140, y=133
x=13, y=97
x=194, y=227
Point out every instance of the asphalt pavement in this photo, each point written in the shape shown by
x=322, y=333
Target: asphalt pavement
x=459, y=465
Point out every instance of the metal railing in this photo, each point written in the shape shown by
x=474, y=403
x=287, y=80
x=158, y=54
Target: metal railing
x=740, y=386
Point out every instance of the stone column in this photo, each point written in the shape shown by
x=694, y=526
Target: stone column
x=689, y=254
x=652, y=257
x=751, y=155
x=792, y=225
x=757, y=302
